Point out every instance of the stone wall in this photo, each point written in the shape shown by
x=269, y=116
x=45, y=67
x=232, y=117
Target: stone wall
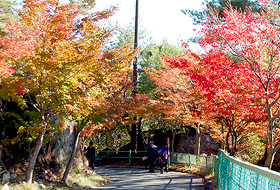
x=55, y=154
x=187, y=144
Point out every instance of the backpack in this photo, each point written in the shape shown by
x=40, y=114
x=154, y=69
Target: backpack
x=162, y=152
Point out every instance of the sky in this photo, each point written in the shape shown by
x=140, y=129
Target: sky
x=162, y=18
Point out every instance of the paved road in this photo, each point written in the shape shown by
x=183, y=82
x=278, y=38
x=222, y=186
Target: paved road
x=136, y=178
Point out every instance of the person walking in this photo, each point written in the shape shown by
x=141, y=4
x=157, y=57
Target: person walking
x=152, y=154
x=163, y=158
x=90, y=154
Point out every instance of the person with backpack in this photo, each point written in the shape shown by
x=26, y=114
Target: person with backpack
x=152, y=154
x=163, y=158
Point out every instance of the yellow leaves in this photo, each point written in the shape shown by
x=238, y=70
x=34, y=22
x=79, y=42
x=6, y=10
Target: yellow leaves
x=68, y=67
x=20, y=130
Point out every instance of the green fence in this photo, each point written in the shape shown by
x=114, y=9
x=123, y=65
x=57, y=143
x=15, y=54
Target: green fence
x=235, y=174
x=230, y=172
x=209, y=162
x=111, y=154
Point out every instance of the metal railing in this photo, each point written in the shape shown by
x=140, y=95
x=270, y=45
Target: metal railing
x=235, y=174
x=110, y=154
x=209, y=162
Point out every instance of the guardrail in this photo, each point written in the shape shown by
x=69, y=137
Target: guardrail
x=235, y=174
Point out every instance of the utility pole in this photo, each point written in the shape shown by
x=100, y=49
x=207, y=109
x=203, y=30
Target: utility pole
x=135, y=46
x=134, y=81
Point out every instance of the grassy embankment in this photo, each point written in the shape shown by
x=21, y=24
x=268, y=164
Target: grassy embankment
x=82, y=180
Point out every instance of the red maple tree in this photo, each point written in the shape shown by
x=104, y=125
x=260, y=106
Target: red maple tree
x=239, y=68
x=199, y=90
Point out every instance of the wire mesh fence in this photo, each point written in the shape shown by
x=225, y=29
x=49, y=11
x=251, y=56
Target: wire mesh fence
x=235, y=174
x=209, y=162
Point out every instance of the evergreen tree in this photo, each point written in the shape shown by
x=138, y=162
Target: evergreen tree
x=199, y=16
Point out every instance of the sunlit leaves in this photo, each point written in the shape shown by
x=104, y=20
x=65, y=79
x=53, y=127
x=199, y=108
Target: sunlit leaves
x=60, y=59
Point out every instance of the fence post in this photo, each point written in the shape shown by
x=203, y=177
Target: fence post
x=190, y=162
x=214, y=165
x=129, y=157
x=206, y=164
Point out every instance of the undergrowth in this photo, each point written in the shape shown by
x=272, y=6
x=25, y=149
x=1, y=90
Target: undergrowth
x=76, y=181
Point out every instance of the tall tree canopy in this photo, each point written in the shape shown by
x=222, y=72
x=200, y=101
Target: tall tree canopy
x=61, y=64
x=251, y=81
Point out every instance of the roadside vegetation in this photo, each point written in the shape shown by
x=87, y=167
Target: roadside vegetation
x=76, y=181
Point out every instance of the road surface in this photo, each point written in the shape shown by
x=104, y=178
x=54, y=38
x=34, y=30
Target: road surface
x=137, y=178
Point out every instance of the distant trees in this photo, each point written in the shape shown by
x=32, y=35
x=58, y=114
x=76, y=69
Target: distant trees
x=149, y=54
x=219, y=5
x=6, y=11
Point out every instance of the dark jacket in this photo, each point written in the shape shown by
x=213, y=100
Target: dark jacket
x=90, y=154
x=152, y=151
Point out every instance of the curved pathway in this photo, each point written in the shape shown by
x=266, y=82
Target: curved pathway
x=136, y=178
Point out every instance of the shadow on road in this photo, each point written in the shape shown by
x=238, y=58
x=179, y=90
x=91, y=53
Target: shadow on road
x=140, y=178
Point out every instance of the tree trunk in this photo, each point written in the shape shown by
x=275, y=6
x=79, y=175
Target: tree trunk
x=222, y=142
x=1, y=163
x=198, y=139
x=140, y=138
x=233, y=136
x=269, y=158
x=32, y=159
x=133, y=136
x=83, y=151
x=227, y=142
x=73, y=154
x=270, y=149
x=173, y=140
x=234, y=143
